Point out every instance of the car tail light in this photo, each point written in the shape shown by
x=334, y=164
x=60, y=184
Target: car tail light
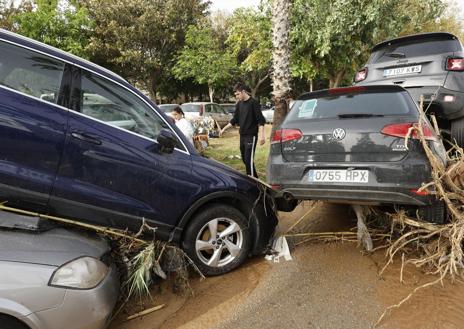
x=419, y=192
x=401, y=130
x=455, y=64
x=202, y=109
x=361, y=75
x=346, y=90
x=276, y=186
x=285, y=135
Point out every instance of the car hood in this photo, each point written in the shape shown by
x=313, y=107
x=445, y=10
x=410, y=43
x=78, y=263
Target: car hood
x=54, y=247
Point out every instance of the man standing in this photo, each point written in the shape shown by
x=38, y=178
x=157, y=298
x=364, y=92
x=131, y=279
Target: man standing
x=251, y=121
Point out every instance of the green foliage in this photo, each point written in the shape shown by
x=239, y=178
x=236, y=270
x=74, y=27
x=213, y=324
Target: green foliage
x=334, y=38
x=249, y=39
x=140, y=38
x=67, y=27
x=204, y=59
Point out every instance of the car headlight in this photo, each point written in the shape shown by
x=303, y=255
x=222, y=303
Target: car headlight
x=81, y=273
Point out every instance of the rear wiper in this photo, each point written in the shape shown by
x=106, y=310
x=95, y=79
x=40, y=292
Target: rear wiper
x=396, y=55
x=358, y=115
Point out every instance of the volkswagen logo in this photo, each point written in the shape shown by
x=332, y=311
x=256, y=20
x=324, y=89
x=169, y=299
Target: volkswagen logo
x=339, y=134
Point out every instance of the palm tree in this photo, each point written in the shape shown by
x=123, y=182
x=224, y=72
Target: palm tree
x=280, y=59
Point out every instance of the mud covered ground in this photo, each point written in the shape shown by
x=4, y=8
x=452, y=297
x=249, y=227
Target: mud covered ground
x=327, y=285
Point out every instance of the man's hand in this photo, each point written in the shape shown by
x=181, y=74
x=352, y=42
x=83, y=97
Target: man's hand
x=262, y=140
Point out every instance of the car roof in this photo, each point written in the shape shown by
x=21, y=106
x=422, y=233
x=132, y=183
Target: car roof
x=419, y=36
x=351, y=90
x=60, y=54
x=197, y=103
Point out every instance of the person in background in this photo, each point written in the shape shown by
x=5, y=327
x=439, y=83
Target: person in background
x=249, y=117
x=184, y=126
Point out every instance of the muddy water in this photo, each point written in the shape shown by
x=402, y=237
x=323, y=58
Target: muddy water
x=327, y=285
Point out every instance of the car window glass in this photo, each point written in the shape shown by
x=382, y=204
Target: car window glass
x=208, y=108
x=414, y=49
x=218, y=109
x=190, y=108
x=30, y=73
x=378, y=103
x=109, y=102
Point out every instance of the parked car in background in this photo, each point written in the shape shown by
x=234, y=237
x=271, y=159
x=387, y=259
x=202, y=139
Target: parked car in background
x=428, y=64
x=167, y=108
x=213, y=110
x=229, y=107
x=95, y=149
x=269, y=115
x=54, y=280
x=348, y=145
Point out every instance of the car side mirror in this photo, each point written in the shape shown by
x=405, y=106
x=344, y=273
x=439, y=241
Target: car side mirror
x=167, y=141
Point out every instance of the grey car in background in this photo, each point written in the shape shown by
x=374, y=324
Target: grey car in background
x=428, y=64
x=167, y=108
x=195, y=110
x=229, y=107
x=348, y=145
x=54, y=280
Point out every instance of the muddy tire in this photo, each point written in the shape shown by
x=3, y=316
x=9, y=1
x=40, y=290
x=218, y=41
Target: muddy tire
x=434, y=213
x=217, y=239
x=457, y=131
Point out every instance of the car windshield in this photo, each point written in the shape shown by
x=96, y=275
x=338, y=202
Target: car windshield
x=167, y=107
x=353, y=105
x=413, y=48
x=190, y=108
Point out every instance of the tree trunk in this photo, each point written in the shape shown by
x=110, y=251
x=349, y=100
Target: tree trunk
x=280, y=59
x=311, y=85
x=211, y=93
x=334, y=82
x=255, y=88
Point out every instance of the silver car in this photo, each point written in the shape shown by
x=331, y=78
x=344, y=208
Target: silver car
x=55, y=279
x=428, y=64
x=197, y=109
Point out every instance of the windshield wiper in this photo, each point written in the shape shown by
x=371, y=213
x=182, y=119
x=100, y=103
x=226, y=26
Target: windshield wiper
x=396, y=55
x=358, y=115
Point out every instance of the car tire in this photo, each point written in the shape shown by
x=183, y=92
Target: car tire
x=9, y=322
x=216, y=255
x=457, y=131
x=434, y=213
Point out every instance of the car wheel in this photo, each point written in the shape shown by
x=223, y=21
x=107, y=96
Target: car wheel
x=217, y=239
x=434, y=213
x=8, y=322
x=457, y=131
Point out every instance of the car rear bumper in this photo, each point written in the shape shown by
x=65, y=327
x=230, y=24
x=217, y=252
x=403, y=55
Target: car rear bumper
x=436, y=96
x=388, y=182
x=354, y=196
x=81, y=309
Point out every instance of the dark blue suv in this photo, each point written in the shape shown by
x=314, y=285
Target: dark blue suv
x=78, y=141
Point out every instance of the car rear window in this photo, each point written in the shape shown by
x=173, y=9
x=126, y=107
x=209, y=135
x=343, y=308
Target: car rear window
x=331, y=106
x=190, y=108
x=414, y=48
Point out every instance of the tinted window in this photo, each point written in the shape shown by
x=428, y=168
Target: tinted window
x=208, y=108
x=109, y=102
x=190, y=108
x=378, y=103
x=29, y=72
x=414, y=49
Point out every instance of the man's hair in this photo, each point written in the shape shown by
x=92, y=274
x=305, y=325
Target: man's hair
x=240, y=87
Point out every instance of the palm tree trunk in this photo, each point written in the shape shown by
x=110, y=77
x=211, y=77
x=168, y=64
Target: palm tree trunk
x=280, y=59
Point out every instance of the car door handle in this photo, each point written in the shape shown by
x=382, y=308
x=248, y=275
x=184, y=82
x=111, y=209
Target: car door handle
x=86, y=138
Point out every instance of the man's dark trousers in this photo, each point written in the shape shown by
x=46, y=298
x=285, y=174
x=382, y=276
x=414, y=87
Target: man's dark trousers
x=247, y=150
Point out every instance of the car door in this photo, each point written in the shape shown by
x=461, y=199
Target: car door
x=33, y=125
x=222, y=117
x=113, y=172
